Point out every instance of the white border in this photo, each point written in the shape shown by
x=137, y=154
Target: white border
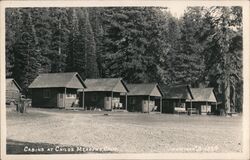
x=106, y=3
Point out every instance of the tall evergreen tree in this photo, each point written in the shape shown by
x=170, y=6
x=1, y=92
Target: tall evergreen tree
x=89, y=46
x=26, y=53
x=59, y=29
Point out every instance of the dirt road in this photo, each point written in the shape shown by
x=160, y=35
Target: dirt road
x=126, y=132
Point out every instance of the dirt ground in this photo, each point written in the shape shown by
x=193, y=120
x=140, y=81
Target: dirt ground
x=121, y=132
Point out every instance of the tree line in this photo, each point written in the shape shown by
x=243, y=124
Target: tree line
x=202, y=48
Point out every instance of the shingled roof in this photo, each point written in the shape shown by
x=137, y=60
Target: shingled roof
x=58, y=80
x=106, y=84
x=176, y=92
x=203, y=95
x=144, y=89
x=9, y=80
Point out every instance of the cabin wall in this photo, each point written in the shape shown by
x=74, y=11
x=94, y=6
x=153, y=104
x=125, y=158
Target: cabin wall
x=48, y=97
x=70, y=98
x=100, y=99
x=137, y=103
x=168, y=105
x=48, y=101
x=12, y=92
x=198, y=106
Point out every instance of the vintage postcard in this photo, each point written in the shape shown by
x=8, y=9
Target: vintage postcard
x=125, y=79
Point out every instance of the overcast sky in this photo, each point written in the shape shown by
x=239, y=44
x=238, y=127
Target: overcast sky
x=177, y=10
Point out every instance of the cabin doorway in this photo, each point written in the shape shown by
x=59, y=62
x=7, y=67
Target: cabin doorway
x=60, y=100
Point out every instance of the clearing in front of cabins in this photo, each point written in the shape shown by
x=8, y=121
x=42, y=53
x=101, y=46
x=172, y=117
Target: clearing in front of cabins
x=52, y=131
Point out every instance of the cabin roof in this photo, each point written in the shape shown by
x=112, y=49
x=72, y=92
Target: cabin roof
x=9, y=80
x=144, y=89
x=106, y=84
x=176, y=92
x=203, y=95
x=58, y=80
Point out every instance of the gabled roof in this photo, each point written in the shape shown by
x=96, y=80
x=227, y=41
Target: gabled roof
x=106, y=84
x=176, y=92
x=203, y=95
x=9, y=80
x=58, y=80
x=144, y=89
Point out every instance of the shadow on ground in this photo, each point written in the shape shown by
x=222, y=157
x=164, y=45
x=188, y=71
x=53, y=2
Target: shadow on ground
x=19, y=147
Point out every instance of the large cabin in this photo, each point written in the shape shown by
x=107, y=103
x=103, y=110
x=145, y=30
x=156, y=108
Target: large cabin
x=204, y=100
x=145, y=97
x=175, y=98
x=104, y=93
x=57, y=90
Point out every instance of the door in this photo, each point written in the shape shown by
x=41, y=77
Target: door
x=60, y=100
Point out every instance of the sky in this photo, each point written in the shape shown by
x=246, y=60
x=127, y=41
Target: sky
x=177, y=10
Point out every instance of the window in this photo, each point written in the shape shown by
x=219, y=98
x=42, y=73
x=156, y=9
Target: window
x=46, y=93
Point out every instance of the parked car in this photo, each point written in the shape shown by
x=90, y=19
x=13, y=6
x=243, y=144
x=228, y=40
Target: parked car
x=27, y=100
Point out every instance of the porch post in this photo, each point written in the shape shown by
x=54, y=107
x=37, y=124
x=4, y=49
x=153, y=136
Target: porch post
x=191, y=106
x=206, y=106
x=64, y=101
x=83, y=100
x=148, y=103
x=126, y=101
x=216, y=105
x=111, y=100
x=161, y=104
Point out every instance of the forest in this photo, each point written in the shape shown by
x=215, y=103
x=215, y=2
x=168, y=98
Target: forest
x=203, y=48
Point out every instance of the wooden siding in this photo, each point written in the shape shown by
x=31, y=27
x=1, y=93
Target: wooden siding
x=120, y=87
x=12, y=91
x=156, y=92
x=11, y=86
x=135, y=103
x=40, y=100
x=198, y=105
x=96, y=99
x=75, y=82
x=168, y=105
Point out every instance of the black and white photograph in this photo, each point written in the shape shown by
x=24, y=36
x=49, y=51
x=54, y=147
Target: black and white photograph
x=125, y=80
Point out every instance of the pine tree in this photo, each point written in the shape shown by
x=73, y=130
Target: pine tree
x=89, y=46
x=226, y=40
x=26, y=54
x=59, y=39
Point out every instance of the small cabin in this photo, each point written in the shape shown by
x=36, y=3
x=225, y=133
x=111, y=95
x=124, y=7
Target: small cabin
x=57, y=90
x=145, y=97
x=13, y=91
x=104, y=93
x=204, y=100
x=175, y=98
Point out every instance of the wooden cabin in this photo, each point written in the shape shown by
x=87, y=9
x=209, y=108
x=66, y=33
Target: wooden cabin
x=104, y=93
x=144, y=97
x=175, y=98
x=56, y=90
x=13, y=91
x=204, y=100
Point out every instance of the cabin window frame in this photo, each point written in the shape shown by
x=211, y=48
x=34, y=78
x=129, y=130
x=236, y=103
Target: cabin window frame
x=46, y=93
